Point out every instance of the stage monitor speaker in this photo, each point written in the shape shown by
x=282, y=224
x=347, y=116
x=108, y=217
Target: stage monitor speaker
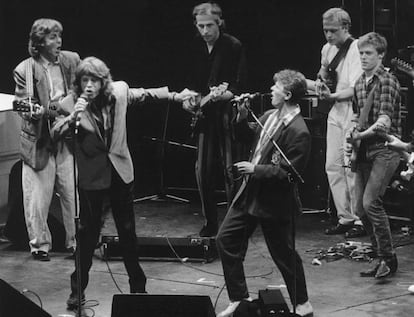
x=15, y=304
x=146, y=305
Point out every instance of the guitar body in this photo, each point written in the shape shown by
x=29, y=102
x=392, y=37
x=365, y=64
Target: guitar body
x=200, y=102
x=197, y=115
x=328, y=84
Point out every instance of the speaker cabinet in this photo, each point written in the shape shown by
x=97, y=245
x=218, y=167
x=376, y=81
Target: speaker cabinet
x=146, y=305
x=314, y=192
x=15, y=304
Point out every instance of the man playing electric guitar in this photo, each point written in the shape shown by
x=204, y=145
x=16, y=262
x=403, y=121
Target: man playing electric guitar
x=215, y=58
x=375, y=164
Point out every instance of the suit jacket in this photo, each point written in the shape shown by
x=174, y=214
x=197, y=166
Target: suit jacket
x=94, y=157
x=268, y=191
x=35, y=135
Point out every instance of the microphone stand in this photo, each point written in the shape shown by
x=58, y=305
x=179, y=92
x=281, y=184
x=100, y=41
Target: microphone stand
x=77, y=220
x=294, y=179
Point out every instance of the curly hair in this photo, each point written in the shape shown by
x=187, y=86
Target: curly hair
x=40, y=29
x=92, y=66
x=292, y=81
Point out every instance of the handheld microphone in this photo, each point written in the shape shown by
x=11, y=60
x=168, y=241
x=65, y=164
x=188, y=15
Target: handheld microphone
x=79, y=114
x=246, y=96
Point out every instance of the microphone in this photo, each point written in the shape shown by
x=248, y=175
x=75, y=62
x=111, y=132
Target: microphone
x=247, y=96
x=79, y=114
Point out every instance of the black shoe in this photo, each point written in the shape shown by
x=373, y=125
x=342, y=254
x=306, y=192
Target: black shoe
x=338, y=229
x=72, y=302
x=40, y=256
x=388, y=266
x=383, y=270
x=371, y=272
x=208, y=231
x=355, y=232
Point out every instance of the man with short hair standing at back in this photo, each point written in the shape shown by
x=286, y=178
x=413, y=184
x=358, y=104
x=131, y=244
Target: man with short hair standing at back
x=340, y=68
x=44, y=78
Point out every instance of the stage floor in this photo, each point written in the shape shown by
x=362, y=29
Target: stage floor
x=335, y=288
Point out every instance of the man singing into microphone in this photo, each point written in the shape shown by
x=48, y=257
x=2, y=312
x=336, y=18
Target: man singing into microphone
x=267, y=195
x=104, y=163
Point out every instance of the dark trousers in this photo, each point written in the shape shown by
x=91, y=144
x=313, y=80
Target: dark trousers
x=91, y=209
x=232, y=243
x=214, y=151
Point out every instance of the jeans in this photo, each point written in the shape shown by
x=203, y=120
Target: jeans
x=373, y=175
x=38, y=188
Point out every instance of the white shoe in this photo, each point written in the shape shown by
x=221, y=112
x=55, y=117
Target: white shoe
x=228, y=312
x=304, y=310
x=411, y=289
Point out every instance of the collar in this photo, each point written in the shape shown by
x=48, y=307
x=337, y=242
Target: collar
x=379, y=72
x=46, y=63
x=288, y=117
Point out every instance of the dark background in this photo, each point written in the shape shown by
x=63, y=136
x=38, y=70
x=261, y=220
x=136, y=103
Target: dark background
x=144, y=43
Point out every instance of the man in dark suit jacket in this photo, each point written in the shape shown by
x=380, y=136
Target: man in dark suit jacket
x=267, y=195
x=45, y=78
x=104, y=163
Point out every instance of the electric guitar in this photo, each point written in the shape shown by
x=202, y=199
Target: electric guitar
x=200, y=102
x=378, y=130
x=403, y=66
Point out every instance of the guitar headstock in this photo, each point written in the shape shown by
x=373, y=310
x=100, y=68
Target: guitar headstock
x=24, y=105
x=403, y=66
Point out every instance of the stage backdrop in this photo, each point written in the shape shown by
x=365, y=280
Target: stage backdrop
x=144, y=43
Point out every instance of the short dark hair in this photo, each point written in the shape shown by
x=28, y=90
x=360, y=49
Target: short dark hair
x=376, y=40
x=294, y=82
x=40, y=29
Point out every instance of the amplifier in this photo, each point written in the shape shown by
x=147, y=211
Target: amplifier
x=308, y=105
x=191, y=249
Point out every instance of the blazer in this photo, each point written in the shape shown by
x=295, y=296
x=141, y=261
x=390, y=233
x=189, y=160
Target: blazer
x=95, y=159
x=268, y=192
x=35, y=140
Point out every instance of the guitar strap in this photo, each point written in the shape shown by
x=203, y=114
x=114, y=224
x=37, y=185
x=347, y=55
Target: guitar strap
x=29, y=78
x=340, y=55
x=363, y=116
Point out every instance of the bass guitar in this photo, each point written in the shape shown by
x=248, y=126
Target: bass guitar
x=200, y=102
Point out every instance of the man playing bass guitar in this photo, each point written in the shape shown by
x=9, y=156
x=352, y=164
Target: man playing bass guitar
x=340, y=68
